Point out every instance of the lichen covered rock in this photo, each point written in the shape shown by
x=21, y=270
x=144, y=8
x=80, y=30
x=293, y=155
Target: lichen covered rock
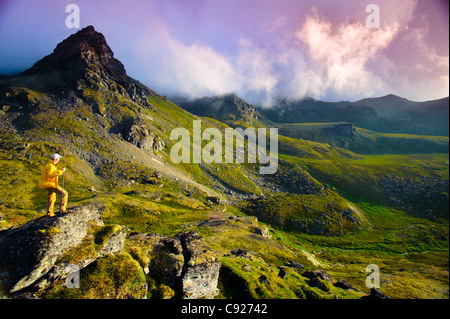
x=37, y=253
x=181, y=263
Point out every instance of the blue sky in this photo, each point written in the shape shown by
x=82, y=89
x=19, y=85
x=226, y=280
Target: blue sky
x=260, y=49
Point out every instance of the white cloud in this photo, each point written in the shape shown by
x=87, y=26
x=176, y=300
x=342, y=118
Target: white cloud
x=335, y=61
x=197, y=69
x=318, y=58
x=341, y=56
x=254, y=67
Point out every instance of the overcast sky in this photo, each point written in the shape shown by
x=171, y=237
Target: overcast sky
x=259, y=49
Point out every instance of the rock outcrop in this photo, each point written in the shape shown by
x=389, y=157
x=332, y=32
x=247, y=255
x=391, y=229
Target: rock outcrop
x=229, y=107
x=36, y=254
x=181, y=262
x=342, y=129
x=83, y=55
x=201, y=268
x=375, y=294
x=140, y=135
x=45, y=251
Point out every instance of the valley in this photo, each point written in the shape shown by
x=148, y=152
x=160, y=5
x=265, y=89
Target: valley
x=347, y=192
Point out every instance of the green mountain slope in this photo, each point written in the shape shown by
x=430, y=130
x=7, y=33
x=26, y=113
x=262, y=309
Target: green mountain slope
x=362, y=141
x=387, y=114
x=333, y=206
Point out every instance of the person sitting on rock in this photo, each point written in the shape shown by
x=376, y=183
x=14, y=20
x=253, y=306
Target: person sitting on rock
x=49, y=181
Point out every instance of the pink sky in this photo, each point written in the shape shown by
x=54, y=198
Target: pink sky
x=260, y=49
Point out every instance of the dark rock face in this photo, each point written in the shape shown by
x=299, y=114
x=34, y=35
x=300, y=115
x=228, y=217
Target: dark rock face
x=167, y=262
x=375, y=294
x=315, y=282
x=77, y=52
x=345, y=129
x=140, y=135
x=187, y=266
x=83, y=67
x=29, y=253
x=294, y=264
x=228, y=107
x=322, y=274
x=241, y=252
x=344, y=284
x=201, y=268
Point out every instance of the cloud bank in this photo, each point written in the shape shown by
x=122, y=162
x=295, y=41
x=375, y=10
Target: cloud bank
x=317, y=58
x=261, y=50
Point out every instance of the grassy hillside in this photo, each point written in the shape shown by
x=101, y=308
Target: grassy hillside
x=340, y=200
x=388, y=114
x=364, y=141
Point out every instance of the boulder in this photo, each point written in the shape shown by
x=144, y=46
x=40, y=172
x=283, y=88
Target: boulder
x=201, y=268
x=30, y=252
x=263, y=279
x=263, y=231
x=244, y=253
x=213, y=222
x=322, y=274
x=294, y=264
x=315, y=282
x=139, y=134
x=375, y=294
x=183, y=263
x=342, y=129
x=214, y=199
x=344, y=284
x=167, y=261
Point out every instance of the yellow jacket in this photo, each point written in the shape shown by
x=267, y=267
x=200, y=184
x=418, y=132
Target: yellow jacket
x=49, y=177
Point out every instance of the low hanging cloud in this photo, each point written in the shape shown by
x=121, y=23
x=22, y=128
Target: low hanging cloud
x=318, y=58
x=340, y=57
x=272, y=50
x=197, y=70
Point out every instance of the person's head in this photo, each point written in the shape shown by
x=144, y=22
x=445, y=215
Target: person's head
x=55, y=158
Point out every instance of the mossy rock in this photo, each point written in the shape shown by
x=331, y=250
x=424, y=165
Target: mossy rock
x=116, y=276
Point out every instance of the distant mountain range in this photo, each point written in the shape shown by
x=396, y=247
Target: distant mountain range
x=387, y=114
x=226, y=108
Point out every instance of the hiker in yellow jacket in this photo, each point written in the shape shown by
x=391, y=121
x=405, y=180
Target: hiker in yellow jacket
x=49, y=181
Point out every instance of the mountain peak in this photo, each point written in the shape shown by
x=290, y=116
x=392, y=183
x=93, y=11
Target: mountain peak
x=86, y=39
x=227, y=107
x=82, y=52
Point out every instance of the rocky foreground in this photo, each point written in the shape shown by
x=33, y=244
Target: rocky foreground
x=44, y=257
x=44, y=252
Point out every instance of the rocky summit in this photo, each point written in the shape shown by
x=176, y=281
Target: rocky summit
x=348, y=192
x=84, y=55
